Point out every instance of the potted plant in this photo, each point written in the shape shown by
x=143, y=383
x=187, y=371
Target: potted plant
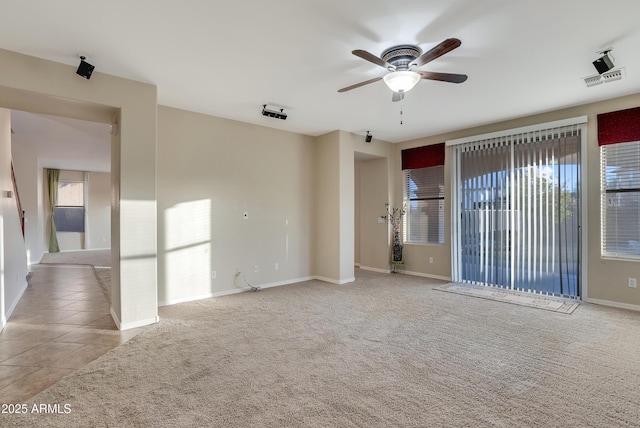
x=394, y=216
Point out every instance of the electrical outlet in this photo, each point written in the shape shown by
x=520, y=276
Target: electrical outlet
x=276, y=266
x=245, y=215
x=256, y=269
x=632, y=283
x=213, y=274
x=431, y=260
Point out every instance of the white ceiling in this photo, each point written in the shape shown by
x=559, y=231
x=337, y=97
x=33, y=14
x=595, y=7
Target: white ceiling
x=227, y=58
x=62, y=143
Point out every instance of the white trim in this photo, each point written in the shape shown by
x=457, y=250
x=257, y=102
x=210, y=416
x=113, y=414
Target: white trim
x=3, y=323
x=191, y=299
x=287, y=282
x=9, y=311
x=334, y=281
x=428, y=275
x=130, y=325
x=538, y=127
x=234, y=291
x=372, y=269
x=584, y=215
x=613, y=304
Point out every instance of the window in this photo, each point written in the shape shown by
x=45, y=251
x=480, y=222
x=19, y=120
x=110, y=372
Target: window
x=424, y=194
x=424, y=198
x=620, y=199
x=619, y=141
x=69, y=210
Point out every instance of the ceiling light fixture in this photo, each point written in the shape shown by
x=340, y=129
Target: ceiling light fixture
x=401, y=81
x=273, y=113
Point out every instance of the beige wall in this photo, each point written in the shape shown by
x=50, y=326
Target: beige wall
x=326, y=220
x=372, y=193
x=606, y=279
x=13, y=260
x=300, y=193
x=40, y=86
x=211, y=171
x=98, y=210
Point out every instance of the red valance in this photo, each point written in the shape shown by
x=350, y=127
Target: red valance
x=422, y=157
x=619, y=126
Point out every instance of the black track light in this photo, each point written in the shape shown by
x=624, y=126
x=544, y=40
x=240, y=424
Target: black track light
x=368, y=137
x=85, y=69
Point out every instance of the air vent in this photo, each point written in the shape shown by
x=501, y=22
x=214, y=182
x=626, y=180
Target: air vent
x=612, y=75
x=606, y=77
x=593, y=80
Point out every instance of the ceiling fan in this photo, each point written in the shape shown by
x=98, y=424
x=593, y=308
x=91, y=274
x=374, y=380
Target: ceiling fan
x=402, y=62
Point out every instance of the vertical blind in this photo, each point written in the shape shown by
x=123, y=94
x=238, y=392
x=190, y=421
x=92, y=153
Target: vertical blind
x=619, y=140
x=518, y=206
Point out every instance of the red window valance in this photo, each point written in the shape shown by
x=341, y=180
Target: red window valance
x=422, y=157
x=619, y=126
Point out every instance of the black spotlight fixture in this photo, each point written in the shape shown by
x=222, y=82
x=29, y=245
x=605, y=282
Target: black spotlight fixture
x=604, y=63
x=368, y=137
x=85, y=69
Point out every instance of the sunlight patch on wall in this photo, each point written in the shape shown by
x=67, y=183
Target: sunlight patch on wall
x=187, y=251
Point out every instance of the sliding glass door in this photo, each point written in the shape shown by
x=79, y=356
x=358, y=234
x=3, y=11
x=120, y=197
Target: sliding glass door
x=518, y=206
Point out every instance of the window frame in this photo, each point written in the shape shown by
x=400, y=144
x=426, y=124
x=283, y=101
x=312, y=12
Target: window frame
x=64, y=208
x=407, y=199
x=620, y=191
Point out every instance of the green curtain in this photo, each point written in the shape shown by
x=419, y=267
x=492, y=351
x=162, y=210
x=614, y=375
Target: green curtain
x=52, y=178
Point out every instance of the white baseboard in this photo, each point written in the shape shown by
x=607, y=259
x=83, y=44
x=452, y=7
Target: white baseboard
x=334, y=281
x=428, y=275
x=613, y=304
x=287, y=282
x=234, y=291
x=130, y=325
x=372, y=269
x=186, y=299
x=9, y=310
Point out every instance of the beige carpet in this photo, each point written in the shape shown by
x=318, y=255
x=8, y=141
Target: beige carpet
x=97, y=258
x=548, y=303
x=384, y=351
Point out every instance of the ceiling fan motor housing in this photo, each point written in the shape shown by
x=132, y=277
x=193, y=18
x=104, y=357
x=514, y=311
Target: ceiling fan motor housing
x=401, y=56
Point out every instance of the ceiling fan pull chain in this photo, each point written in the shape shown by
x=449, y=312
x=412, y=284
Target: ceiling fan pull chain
x=401, y=122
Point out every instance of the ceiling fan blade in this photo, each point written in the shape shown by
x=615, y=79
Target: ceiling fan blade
x=443, y=77
x=372, y=58
x=357, y=85
x=444, y=47
x=397, y=96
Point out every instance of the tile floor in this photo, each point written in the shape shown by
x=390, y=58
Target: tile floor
x=61, y=323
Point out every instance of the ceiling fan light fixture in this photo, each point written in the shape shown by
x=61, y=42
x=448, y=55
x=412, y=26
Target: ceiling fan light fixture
x=401, y=81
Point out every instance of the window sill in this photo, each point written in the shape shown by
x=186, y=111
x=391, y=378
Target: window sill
x=420, y=244
x=621, y=258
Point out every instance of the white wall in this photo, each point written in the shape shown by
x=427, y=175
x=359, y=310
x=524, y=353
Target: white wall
x=13, y=260
x=98, y=233
x=53, y=88
x=211, y=171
